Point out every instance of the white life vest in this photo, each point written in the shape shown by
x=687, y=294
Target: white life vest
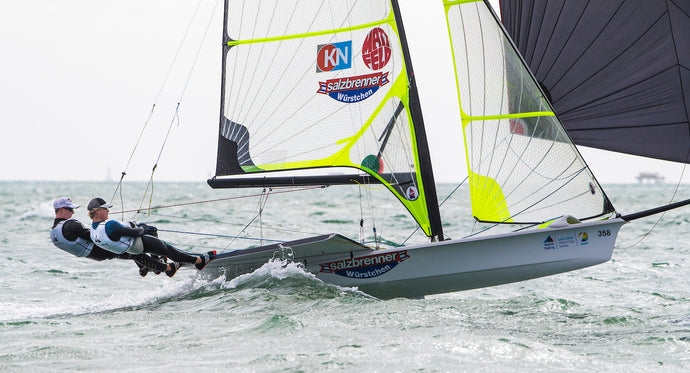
x=100, y=238
x=79, y=247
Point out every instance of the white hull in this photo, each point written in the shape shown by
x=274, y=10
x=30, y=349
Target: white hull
x=439, y=267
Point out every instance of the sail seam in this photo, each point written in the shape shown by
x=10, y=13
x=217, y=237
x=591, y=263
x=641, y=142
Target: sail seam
x=309, y=34
x=643, y=34
x=567, y=40
x=548, y=43
x=625, y=127
x=469, y=118
x=458, y=2
x=680, y=77
x=598, y=101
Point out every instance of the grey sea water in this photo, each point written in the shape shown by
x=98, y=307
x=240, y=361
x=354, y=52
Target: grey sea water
x=59, y=312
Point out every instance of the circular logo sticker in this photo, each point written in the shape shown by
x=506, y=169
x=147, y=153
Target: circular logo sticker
x=323, y=59
x=373, y=163
x=376, y=51
x=411, y=193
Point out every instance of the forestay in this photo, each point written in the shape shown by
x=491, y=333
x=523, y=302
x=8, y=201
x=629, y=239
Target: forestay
x=522, y=165
x=319, y=85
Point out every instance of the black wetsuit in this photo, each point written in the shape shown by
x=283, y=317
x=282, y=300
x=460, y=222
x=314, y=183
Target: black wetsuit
x=73, y=229
x=152, y=244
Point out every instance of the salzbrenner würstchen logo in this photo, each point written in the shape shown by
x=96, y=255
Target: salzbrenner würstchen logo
x=353, y=88
x=365, y=267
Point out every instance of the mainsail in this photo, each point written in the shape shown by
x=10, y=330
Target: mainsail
x=523, y=168
x=618, y=71
x=318, y=85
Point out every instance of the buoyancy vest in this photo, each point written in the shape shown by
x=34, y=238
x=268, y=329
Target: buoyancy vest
x=79, y=247
x=100, y=237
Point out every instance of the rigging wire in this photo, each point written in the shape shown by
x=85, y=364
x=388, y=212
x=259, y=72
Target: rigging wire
x=155, y=102
x=661, y=216
x=236, y=224
x=369, y=197
x=262, y=204
x=439, y=205
x=220, y=199
x=361, y=214
x=176, y=115
x=219, y=235
x=368, y=190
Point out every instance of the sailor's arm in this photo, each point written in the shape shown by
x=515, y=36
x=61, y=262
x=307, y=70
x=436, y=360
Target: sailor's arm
x=115, y=230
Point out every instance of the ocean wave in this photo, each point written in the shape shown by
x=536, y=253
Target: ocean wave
x=44, y=210
x=76, y=303
x=287, y=277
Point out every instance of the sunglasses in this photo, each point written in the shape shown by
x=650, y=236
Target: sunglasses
x=69, y=209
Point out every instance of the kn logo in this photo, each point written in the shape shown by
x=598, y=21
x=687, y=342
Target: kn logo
x=334, y=56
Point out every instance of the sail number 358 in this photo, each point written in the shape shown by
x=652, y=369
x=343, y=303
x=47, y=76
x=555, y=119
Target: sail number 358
x=604, y=233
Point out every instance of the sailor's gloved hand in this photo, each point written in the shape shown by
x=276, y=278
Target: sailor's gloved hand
x=149, y=229
x=140, y=231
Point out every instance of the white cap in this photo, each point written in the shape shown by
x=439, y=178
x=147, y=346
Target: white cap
x=64, y=202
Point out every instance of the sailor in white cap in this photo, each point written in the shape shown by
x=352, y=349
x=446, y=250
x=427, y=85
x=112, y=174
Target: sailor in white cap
x=72, y=236
x=118, y=238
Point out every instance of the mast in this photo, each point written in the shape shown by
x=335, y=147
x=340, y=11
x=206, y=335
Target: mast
x=426, y=171
x=223, y=56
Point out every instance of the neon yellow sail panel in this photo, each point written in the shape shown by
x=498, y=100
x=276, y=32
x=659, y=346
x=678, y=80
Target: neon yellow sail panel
x=318, y=84
x=522, y=164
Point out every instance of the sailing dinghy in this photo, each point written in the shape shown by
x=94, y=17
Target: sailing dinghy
x=323, y=93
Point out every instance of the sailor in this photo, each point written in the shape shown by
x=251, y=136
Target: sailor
x=118, y=238
x=72, y=236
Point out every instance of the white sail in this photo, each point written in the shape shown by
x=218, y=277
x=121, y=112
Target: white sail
x=522, y=165
x=321, y=84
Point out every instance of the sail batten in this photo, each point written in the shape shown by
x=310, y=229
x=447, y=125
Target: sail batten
x=308, y=34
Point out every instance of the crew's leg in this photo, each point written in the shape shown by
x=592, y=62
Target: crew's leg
x=158, y=266
x=156, y=246
x=148, y=262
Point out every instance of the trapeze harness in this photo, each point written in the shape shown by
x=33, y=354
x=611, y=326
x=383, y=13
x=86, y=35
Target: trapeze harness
x=101, y=238
x=79, y=247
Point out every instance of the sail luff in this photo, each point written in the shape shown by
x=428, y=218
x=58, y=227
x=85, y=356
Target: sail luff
x=519, y=155
x=223, y=59
x=423, y=154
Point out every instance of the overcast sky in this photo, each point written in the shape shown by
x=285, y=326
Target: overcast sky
x=78, y=79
